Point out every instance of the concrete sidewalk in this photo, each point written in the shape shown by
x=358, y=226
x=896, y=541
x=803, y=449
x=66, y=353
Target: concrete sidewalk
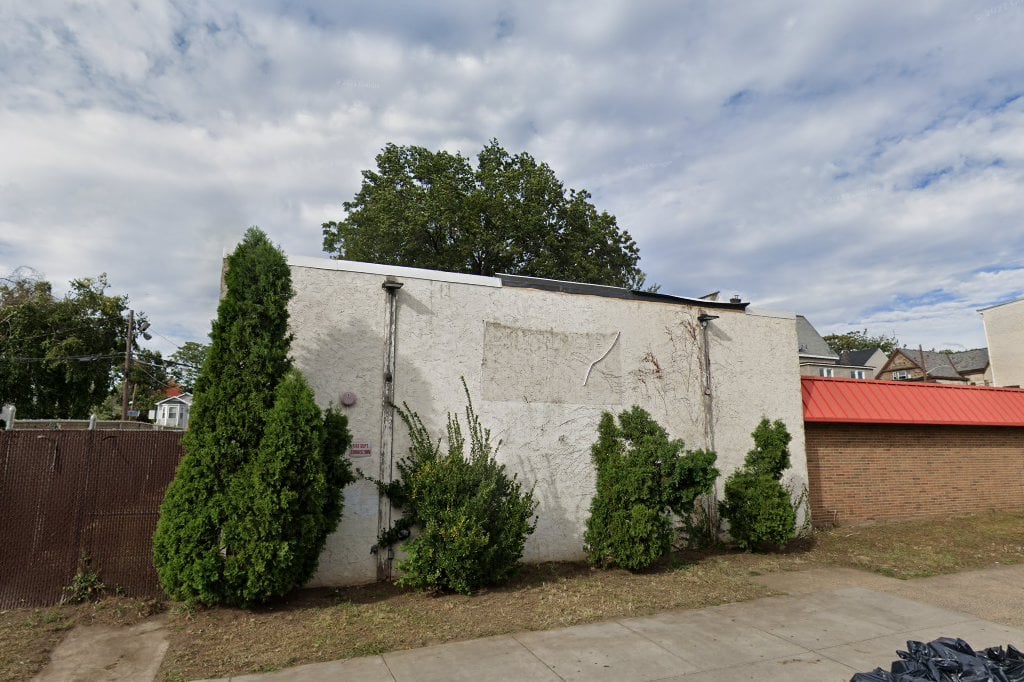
x=816, y=636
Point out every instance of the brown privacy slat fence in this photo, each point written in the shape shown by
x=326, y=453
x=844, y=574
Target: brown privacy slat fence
x=65, y=495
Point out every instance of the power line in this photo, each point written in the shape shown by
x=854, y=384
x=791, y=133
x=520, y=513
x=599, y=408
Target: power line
x=60, y=358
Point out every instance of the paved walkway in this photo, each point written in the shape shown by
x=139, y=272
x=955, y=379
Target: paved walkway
x=832, y=623
x=823, y=630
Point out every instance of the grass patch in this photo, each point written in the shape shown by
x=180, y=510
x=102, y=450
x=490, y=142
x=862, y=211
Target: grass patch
x=918, y=549
x=323, y=625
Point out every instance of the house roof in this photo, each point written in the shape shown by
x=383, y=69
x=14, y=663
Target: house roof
x=184, y=399
x=897, y=402
x=941, y=365
x=974, y=360
x=810, y=342
x=857, y=357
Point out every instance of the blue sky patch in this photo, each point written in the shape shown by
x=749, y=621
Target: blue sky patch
x=924, y=180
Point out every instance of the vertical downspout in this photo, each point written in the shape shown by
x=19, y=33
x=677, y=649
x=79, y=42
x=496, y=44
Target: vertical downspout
x=710, y=502
x=387, y=422
x=709, y=414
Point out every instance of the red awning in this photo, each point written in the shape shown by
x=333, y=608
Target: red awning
x=898, y=402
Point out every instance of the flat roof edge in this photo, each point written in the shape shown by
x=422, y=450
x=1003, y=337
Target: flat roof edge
x=581, y=288
x=396, y=270
x=1000, y=305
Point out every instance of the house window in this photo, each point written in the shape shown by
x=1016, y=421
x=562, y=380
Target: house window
x=900, y=375
x=857, y=374
x=826, y=372
x=172, y=414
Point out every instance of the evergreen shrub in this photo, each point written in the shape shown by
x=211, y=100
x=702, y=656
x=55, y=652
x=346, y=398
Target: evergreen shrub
x=259, y=488
x=757, y=506
x=468, y=519
x=643, y=478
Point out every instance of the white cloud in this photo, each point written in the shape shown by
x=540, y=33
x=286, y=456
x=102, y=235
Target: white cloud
x=840, y=161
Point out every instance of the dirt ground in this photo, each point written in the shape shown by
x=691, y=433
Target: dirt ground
x=322, y=625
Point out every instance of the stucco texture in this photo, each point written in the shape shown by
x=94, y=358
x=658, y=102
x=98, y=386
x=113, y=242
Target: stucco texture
x=541, y=367
x=1004, y=332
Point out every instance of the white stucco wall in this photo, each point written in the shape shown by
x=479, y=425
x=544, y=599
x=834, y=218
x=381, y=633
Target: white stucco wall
x=525, y=355
x=1004, y=333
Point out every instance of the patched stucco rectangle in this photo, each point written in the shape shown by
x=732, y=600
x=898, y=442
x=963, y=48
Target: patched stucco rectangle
x=543, y=365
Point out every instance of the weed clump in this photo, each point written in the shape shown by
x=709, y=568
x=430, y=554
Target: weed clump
x=465, y=518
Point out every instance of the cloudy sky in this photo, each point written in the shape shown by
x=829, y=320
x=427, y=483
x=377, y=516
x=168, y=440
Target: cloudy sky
x=860, y=163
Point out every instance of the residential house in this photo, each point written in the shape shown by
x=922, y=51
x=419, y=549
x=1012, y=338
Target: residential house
x=966, y=368
x=872, y=359
x=173, y=412
x=1004, y=331
x=817, y=359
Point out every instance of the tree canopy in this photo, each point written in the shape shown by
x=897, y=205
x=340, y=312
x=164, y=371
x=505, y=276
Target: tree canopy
x=186, y=362
x=59, y=356
x=509, y=215
x=861, y=340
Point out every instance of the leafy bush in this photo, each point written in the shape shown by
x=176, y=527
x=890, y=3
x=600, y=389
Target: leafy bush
x=758, y=507
x=642, y=478
x=259, y=487
x=759, y=511
x=471, y=519
x=770, y=455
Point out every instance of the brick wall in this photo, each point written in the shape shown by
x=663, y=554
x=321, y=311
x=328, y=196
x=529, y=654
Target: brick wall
x=865, y=472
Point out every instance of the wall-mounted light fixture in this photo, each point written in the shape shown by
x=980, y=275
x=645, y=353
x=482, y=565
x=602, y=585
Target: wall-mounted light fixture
x=704, y=318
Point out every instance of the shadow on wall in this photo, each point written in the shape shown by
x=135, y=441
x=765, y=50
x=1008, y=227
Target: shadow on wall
x=348, y=356
x=550, y=458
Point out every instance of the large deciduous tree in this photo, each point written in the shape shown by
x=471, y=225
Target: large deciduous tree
x=509, y=215
x=259, y=488
x=59, y=355
x=186, y=362
x=861, y=340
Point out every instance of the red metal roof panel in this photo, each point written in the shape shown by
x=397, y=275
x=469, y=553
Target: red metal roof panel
x=898, y=402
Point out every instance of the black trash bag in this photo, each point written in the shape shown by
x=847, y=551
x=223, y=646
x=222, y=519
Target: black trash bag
x=876, y=675
x=950, y=660
x=1011, y=660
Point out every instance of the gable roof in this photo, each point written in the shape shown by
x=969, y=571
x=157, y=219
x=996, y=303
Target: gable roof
x=183, y=399
x=857, y=357
x=968, y=361
x=941, y=365
x=810, y=342
x=897, y=402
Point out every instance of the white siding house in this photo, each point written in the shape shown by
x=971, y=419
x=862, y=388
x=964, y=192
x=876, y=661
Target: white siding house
x=173, y=412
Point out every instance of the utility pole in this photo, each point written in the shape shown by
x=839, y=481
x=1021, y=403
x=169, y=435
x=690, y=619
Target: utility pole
x=127, y=365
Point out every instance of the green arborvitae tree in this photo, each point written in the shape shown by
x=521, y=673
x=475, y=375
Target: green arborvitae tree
x=643, y=477
x=757, y=506
x=237, y=445
x=276, y=541
x=508, y=215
